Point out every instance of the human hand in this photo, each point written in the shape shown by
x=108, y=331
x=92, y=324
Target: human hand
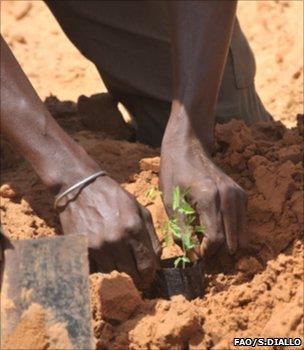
x=220, y=203
x=120, y=231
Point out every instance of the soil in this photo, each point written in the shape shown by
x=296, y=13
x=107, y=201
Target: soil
x=246, y=295
x=257, y=292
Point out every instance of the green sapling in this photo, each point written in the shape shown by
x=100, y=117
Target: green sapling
x=182, y=225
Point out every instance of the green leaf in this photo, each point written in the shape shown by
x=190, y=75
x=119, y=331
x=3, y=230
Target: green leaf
x=177, y=261
x=176, y=197
x=185, y=208
x=174, y=227
x=190, y=219
x=183, y=260
x=199, y=229
x=188, y=242
x=183, y=226
x=151, y=193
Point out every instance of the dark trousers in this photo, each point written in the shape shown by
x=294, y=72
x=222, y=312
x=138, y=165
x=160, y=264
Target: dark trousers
x=130, y=45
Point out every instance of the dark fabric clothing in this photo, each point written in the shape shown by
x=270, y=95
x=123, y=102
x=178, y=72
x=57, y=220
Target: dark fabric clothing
x=129, y=42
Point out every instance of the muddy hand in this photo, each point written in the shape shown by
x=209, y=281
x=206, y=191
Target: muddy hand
x=120, y=231
x=219, y=202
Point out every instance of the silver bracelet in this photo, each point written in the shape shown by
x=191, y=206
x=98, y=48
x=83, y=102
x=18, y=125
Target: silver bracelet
x=77, y=185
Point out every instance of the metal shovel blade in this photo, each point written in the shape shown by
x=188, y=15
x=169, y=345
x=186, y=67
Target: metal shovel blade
x=53, y=273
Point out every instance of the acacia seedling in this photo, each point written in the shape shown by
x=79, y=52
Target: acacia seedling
x=182, y=225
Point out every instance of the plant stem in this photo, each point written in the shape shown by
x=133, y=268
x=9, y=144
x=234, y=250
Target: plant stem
x=184, y=254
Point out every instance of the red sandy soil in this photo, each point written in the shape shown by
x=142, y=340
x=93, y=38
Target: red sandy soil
x=257, y=293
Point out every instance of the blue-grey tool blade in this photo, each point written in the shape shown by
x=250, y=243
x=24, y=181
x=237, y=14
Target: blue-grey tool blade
x=52, y=272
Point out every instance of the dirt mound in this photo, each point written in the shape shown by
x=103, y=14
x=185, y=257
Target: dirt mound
x=246, y=295
x=100, y=113
x=266, y=161
x=256, y=308
x=121, y=319
x=114, y=296
x=252, y=296
x=157, y=324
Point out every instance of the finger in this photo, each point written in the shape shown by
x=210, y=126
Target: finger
x=243, y=238
x=210, y=216
x=214, y=235
x=156, y=245
x=229, y=214
x=145, y=260
x=167, y=198
x=194, y=254
x=124, y=261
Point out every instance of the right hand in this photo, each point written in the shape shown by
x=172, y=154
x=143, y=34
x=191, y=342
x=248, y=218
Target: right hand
x=219, y=202
x=119, y=230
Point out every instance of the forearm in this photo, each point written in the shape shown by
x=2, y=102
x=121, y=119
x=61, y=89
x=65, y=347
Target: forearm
x=26, y=123
x=201, y=33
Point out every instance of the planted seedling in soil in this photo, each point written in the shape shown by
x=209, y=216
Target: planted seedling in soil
x=183, y=226
x=180, y=275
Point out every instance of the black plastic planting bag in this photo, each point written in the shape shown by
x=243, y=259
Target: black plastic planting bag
x=188, y=281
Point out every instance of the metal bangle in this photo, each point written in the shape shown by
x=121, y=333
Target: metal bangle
x=77, y=185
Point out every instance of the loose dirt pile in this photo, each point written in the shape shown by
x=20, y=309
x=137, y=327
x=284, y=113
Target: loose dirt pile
x=246, y=295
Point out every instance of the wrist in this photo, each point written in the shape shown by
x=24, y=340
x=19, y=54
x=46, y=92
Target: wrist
x=68, y=167
x=78, y=186
x=79, y=171
x=186, y=128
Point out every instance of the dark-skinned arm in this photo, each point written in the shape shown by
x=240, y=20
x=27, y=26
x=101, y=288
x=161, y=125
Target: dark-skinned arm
x=119, y=230
x=201, y=33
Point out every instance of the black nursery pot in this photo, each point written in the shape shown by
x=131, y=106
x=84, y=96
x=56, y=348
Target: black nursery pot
x=188, y=281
